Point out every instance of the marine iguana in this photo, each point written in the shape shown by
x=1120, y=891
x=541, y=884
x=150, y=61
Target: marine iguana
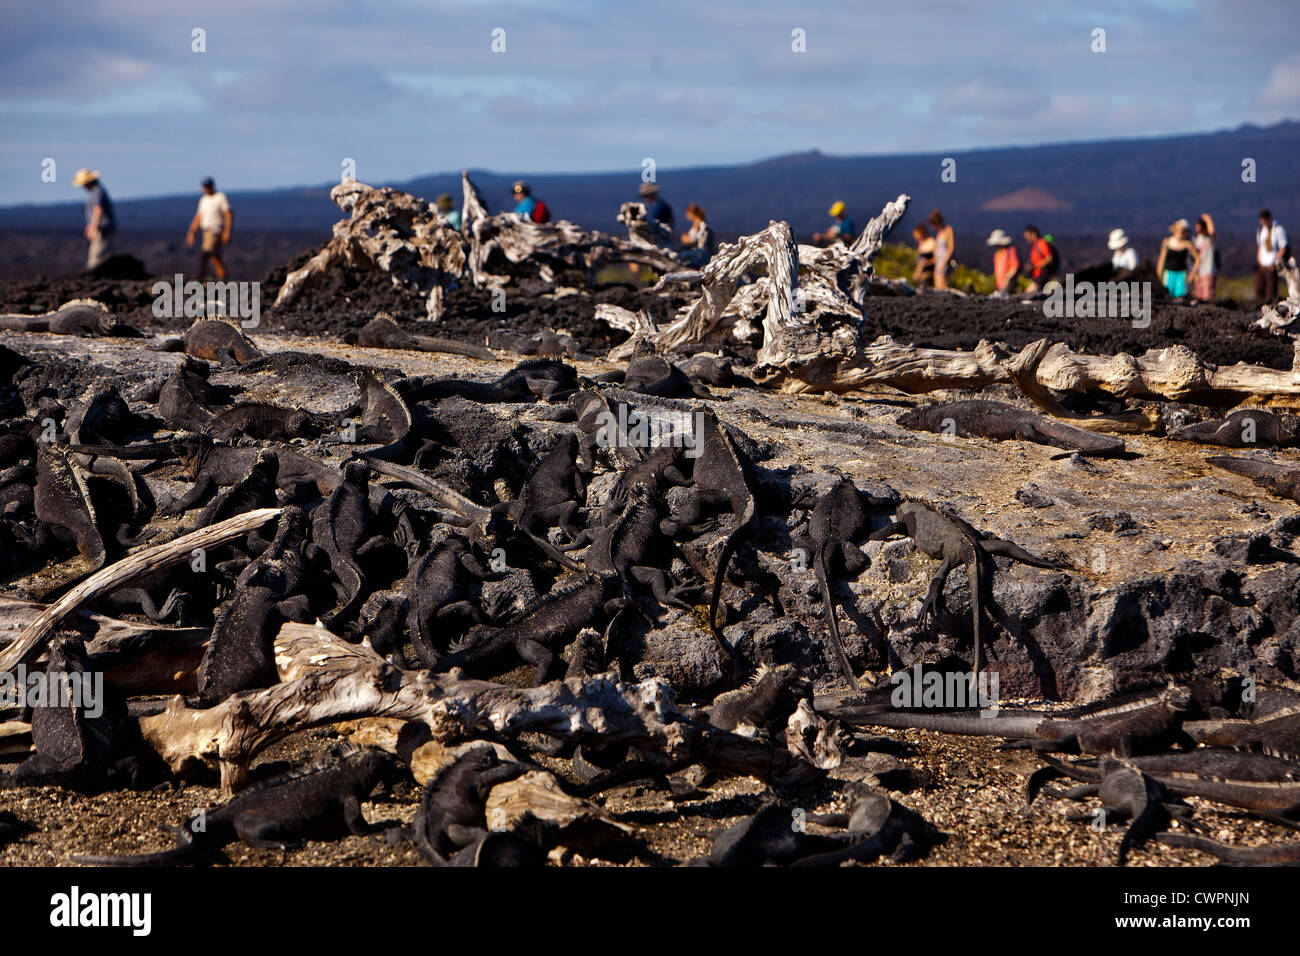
x=215, y=340
x=1000, y=422
x=541, y=632
x=552, y=493
x=650, y=374
x=720, y=474
x=254, y=490
x=838, y=518
x=240, y=654
x=382, y=332
x=1276, y=732
x=1133, y=722
x=267, y=422
x=185, y=396
x=80, y=742
x=437, y=589
x=1127, y=793
x=763, y=705
x=381, y=417
x=547, y=343
x=955, y=542
x=453, y=809
x=63, y=503
x=1267, y=786
x=77, y=317
x=526, y=382
x=211, y=466
x=1244, y=428
x=1280, y=480
x=341, y=532
x=319, y=802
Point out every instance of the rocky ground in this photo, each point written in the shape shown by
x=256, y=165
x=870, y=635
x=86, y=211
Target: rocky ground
x=1161, y=584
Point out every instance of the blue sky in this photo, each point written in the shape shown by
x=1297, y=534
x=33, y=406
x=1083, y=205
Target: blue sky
x=286, y=91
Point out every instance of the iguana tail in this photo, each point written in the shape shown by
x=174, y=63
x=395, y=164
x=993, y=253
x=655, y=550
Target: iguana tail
x=184, y=852
x=743, y=529
x=976, y=578
x=836, y=642
x=432, y=343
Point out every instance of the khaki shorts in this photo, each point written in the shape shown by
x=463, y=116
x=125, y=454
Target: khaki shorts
x=212, y=242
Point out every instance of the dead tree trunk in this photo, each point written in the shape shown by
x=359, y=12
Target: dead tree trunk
x=387, y=231
x=506, y=247
x=325, y=680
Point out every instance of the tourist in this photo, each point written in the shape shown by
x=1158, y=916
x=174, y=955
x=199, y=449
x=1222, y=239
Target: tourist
x=101, y=225
x=1006, y=262
x=1272, y=243
x=1204, y=278
x=923, y=275
x=1177, y=253
x=1124, y=257
x=700, y=241
x=213, y=217
x=1043, y=260
x=656, y=210
x=448, y=211
x=528, y=206
x=945, y=247
x=840, y=230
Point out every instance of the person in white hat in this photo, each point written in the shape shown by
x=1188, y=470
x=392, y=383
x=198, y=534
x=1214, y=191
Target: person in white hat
x=101, y=226
x=1123, y=255
x=1006, y=262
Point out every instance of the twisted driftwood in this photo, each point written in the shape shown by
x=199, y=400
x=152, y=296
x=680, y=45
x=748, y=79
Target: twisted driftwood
x=325, y=680
x=29, y=644
x=506, y=247
x=392, y=232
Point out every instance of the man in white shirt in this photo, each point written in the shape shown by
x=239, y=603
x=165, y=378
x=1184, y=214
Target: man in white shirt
x=214, y=218
x=1272, y=242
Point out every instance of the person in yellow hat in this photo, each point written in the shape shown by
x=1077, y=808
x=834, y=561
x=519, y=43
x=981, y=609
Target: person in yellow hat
x=841, y=228
x=101, y=226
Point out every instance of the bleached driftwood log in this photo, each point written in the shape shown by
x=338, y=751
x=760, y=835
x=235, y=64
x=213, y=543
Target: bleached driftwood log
x=325, y=680
x=1279, y=318
x=31, y=642
x=392, y=232
x=506, y=247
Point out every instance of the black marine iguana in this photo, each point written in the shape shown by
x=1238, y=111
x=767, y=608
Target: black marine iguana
x=453, y=810
x=77, y=317
x=1243, y=428
x=1000, y=422
x=1280, y=480
x=526, y=382
x=955, y=542
x=382, y=332
x=314, y=803
x=437, y=590
x=720, y=474
x=1132, y=722
x=541, y=632
x=240, y=654
x=215, y=340
x=838, y=518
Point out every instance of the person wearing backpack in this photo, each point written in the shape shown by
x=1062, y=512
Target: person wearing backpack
x=1044, y=260
x=528, y=206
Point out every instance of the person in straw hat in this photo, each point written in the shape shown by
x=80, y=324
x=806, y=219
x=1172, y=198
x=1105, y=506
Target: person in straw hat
x=101, y=226
x=1178, y=258
x=1006, y=262
x=1123, y=255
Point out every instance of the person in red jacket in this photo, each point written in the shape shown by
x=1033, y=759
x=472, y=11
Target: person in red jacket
x=1041, y=264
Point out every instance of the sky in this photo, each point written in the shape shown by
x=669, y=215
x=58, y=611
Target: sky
x=283, y=93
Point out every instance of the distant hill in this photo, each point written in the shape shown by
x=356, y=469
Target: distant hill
x=1068, y=189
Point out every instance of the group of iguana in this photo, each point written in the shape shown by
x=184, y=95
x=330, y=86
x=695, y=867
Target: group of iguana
x=457, y=542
